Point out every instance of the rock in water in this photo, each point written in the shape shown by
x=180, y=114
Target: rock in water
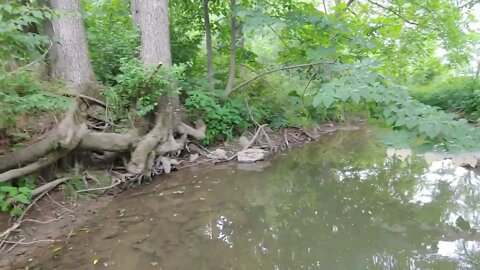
x=243, y=141
x=251, y=155
x=218, y=154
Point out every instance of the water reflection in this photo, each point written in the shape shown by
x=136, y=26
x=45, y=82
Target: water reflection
x=339, y=204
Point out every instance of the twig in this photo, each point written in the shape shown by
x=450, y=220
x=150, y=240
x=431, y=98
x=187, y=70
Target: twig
x=308, y=83
x=14, y=245
x=35, y=61
x=32, y=242
x=392, y=11
x=61, y=206
x=118, y=182
x=325, y=7
x=256, y=72
x=470, y=4
x=47, y=221
x=285, y=137
x=197, y=163
x=278, y=69
x=251, y=115
x=78, y=95
x=279, y=37
x=249, y=144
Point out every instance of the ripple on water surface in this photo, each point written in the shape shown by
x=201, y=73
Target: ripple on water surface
x=337, y=204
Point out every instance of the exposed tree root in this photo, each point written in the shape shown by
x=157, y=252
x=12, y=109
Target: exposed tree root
x=111, y=142
x=48, y=159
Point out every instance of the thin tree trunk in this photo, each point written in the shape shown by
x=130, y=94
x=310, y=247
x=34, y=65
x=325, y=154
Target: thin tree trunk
x=240, y=45
x=208, y=44
x=477, y=74
x=70, y=60
x=233, y=48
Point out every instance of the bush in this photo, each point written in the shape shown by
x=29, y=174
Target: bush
x=460, y=95
x=21, y=51
x=224, y=119
x=14, y=197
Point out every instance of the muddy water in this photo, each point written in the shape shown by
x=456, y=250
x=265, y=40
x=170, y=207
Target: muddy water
x=337, y=204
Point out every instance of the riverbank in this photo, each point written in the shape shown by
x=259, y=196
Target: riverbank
x=54, y=219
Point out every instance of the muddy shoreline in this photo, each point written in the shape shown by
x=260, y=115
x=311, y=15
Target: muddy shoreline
x=53, y=221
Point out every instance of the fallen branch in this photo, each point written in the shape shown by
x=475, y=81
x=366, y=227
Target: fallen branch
x=252, y=141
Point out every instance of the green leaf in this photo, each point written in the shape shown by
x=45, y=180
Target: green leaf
x=37, y=14
x=25, y=190
x=22, y=198
x=16, y=211
x=7, y=189
x=328, y=100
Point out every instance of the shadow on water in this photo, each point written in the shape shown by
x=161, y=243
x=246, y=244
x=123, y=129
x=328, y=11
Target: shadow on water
x=337, y=204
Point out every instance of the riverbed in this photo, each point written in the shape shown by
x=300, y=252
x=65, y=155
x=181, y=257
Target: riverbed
x=340, y=203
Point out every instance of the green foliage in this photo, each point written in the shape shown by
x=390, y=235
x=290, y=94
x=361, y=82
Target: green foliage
x=140, y=88
x=111, y=37
x=357, y=84
x=460, y=95
x=224, y=119
x=22, y=92
x=16, y=42
x=14, y=197
x=21, y=49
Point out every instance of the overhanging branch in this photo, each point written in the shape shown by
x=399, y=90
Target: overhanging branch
x=278, y=69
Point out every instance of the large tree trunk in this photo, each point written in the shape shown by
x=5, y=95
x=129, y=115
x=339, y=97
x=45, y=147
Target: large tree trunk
x=208, y=44
x=233, y=48
x=155, y=50
x=70, y=60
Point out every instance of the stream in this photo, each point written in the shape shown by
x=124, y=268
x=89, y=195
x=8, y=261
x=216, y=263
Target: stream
x=336, y=204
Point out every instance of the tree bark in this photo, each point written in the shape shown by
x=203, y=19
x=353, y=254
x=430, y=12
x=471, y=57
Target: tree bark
x=155, y=34
x=233, y=48
x=71, y=60
x=155, y=50
x=208, y=44
x=134, y=11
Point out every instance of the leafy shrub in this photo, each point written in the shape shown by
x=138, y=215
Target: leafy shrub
x=140, y=88
x=111, y=37
x=14, y=197
x=224, y=119
x=22, y=91
x=460, y=95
